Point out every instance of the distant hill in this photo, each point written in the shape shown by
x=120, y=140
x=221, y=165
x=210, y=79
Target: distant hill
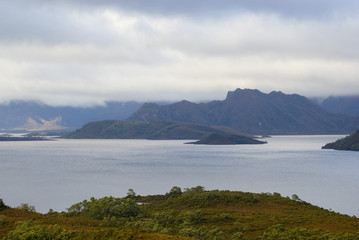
x=350, y=142
x=254, y=112
x=114, y=129
x=34, y=116
x=343, y=105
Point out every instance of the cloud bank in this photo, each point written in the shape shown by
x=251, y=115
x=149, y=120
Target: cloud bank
x=88, y=52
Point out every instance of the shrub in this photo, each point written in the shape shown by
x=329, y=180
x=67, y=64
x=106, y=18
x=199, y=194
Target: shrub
x=29, y=230
x=107, y=207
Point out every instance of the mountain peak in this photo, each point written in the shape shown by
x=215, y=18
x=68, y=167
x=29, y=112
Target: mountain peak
x=243, y=93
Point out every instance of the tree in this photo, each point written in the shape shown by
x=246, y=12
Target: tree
x=2, y=205
x=26, y=207
x=176, y=191
x=296, y=198
x=131, y=194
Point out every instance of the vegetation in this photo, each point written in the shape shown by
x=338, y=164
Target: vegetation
x=350, y=142
x=192, y=213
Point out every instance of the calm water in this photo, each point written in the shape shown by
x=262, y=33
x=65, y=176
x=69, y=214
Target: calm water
x=56, y=174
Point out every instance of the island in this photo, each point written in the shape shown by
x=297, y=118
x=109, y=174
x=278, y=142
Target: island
x=350, y=142
x=227, y=139
x=161, y=130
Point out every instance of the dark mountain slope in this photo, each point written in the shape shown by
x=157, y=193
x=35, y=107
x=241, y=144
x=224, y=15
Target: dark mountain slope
x=114, y=129
x=254, y=112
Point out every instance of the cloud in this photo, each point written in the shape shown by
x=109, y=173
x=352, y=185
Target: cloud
x=87, y=52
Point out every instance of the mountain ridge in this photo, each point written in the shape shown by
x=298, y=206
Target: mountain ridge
x=254, y=112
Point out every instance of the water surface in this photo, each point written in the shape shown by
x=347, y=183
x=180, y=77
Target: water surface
x=56, y=174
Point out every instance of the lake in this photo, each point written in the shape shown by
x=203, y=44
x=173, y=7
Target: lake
x=57, y=174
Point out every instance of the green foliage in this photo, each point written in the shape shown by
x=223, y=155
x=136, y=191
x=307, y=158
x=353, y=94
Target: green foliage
x=29, y=231
x=107, y=207
x=26, y=207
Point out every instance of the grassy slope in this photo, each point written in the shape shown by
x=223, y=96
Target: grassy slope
x=202, y=215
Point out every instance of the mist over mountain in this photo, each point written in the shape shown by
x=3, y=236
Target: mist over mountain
x=342, y=105
x=34, y=116
x=254, y=112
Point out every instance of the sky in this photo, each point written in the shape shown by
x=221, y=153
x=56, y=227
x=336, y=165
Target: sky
x=87, y=52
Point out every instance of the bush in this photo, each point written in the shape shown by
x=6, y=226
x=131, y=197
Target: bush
x=107, y=207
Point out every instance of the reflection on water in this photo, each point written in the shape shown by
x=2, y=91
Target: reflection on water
x=56, y=174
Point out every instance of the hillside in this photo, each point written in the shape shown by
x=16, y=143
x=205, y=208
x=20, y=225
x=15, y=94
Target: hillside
x=190, y=214
x=350, y=142
x=115, y=129
x=254, y=112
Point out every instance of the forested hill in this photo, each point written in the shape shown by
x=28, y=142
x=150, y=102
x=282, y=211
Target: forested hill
x=187, y=214
x=115, y=129
x=254, y=112
x=350, y=142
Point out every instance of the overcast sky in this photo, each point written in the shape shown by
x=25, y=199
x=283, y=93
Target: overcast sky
x=85, y=52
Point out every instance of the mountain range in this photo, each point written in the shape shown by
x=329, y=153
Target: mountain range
x=244, y=110
x=254, y=112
